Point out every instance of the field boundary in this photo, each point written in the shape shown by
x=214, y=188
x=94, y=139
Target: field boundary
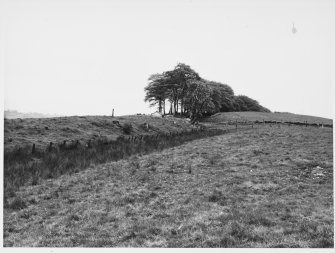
x=28, y=165
x=288, y=123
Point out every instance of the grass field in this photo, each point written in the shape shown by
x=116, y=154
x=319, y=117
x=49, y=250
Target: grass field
x=22, y=132
x=260, y=187
x=260, y=116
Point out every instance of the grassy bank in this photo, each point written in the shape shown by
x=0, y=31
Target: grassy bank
x=22, y=167
x=26, y=132
x=268, y=117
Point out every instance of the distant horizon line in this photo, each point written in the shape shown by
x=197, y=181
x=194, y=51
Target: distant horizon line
x=54, y=115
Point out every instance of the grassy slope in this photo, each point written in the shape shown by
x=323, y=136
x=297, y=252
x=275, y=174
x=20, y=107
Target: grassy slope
x=254, y=188
x=20, y=132
x=260, y=116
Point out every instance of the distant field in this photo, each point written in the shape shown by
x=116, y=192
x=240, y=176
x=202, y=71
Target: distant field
x=260, y=116
x=262, y=187
x=21, y=132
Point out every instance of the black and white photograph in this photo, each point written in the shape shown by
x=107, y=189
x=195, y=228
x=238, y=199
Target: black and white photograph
x=167, y=124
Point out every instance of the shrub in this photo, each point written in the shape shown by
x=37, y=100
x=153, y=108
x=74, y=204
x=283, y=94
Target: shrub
x=127, y=128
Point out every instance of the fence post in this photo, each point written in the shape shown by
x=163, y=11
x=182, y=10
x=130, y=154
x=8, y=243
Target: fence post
x=33, y=149
x=113, y=113
x=236, y=125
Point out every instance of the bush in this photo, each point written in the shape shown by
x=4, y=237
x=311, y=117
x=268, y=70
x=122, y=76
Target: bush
x=127, y=128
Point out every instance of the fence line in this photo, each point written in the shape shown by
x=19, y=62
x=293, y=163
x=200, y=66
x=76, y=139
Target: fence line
x=251, y=123
x=19, y=167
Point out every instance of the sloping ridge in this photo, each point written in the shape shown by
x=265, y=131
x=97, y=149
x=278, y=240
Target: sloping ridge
x=22, y=132
x=260, y=116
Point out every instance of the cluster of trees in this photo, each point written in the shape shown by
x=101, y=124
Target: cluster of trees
x=190, y=95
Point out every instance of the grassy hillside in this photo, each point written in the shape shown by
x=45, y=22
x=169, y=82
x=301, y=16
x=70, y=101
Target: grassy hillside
x=260, y=116
x=68, y=145
x=262, y=187
x=21, y=132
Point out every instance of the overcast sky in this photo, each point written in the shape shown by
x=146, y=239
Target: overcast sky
x=76, y=57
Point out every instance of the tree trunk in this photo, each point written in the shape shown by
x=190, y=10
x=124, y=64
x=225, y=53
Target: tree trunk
x=160, y=106
x=164, y=106
x=177, y=106
x=182, y=109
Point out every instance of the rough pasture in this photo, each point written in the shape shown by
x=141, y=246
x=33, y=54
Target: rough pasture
x=263, y=187
x=22, y=132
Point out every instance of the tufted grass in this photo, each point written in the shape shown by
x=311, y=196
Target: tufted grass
x=261, y=187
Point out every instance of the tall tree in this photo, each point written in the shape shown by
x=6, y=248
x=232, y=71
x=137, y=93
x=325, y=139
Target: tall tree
x=156, y=91
x=222, y=96
x=193, y=96
x=178, y=79
x=198, y=100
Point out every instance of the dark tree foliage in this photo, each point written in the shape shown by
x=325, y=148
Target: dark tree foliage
x=198, y=100
x=190, y=95
x=157, y=91
x=244, y=103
